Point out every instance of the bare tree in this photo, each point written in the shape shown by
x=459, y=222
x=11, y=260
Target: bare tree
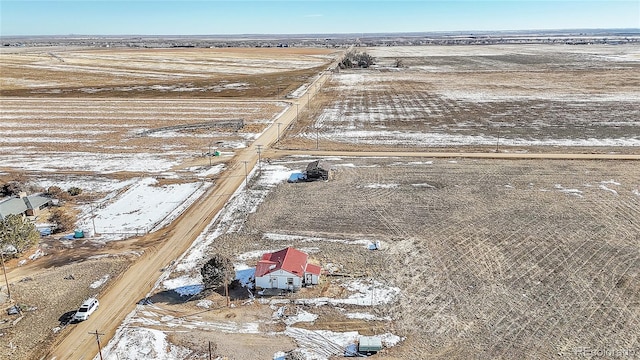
x=61, y=219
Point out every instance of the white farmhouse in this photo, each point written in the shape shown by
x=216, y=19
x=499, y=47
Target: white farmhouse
x=286, y=269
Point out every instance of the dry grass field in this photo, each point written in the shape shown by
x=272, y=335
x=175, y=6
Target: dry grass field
x=522, y=98
x=494, y=259
x=178, y=73
x=490, y=258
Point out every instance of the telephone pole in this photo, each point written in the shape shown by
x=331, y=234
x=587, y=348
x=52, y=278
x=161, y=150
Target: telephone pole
x=278, y=140
x=259, y=158
x=4, y=270
x=246, y=178
x=97, y=334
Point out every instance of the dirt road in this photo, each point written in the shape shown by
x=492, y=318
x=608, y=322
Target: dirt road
x=273, y=153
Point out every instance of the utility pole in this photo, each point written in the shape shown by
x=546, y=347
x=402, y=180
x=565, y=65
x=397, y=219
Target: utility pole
x=246, y=179
x=93, y=221
x=226, y=291
x=97, y=334
x=259, y=158
x=4, y=270
x=278, y=140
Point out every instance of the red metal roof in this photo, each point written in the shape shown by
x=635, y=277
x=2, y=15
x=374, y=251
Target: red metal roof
x=289, y=259
x=313, y=269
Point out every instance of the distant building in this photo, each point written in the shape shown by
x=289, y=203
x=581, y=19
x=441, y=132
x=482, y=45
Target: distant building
x=23, y=205
x=287, y=269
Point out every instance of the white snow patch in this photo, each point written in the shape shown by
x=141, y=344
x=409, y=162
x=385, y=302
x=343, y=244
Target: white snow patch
x=96, y=284
x=574, y=192
x=366, y=316
x=425, y=185
x=367, y=293
x=245, y=276
x=204, y=303
x=604, y=187
x=141, y=209
x=304, y=238
x=381, y=186
x=321, y=344
x=302, y=316
x=141, y=343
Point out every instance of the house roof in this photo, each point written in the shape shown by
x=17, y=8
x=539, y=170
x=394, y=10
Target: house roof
x=313, y=269
x=13, y=206
x=291, y=260
x=36, y=201
x=16, y=206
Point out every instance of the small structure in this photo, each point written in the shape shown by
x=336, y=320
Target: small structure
x=369, y=345
x=318, y=170
x=24, y=205
x=287, y=269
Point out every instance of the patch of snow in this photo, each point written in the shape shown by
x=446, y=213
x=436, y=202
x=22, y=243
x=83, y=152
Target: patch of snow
x=184, y=285
x=37, y=254
x=610, y=182
x=245, y=276
x=96, y=284
x=304, y=238
x=366, y=316
x=389, y=339
x=424, y=185
x=94, y=162
x=302, y=316
x=253, y=254
x=141, y=209
x=636, y=192
x=204, y=303
x=321, y=344
x=574, y=192
x=604, y=187
x=142, y=343
x=367, y=293
x=381, y=186
x=202, y=172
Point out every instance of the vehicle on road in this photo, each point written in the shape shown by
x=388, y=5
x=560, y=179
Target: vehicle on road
x=87, y=308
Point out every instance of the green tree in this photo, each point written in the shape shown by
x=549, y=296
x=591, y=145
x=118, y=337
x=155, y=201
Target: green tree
x=19, y=232
x=215, y=271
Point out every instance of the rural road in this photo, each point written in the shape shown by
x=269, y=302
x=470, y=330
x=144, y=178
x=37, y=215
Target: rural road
x=275, y=153
x=120, y=299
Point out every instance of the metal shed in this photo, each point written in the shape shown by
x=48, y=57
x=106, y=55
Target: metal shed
x=369, y=344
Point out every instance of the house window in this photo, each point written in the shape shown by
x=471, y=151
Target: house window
x=289, y=281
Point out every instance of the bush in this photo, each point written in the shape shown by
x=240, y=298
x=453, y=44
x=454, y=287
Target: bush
x=61, y=220
x=74, y=191
x=58, y=193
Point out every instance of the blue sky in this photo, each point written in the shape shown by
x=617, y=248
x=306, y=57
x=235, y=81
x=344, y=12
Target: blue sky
x=148, y=17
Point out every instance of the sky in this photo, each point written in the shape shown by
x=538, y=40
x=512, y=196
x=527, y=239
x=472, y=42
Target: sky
x=225, y=17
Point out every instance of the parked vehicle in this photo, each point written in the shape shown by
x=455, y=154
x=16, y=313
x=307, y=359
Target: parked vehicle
x=87, y=308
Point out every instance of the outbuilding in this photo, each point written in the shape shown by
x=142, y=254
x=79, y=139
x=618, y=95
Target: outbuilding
x=369, y=345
